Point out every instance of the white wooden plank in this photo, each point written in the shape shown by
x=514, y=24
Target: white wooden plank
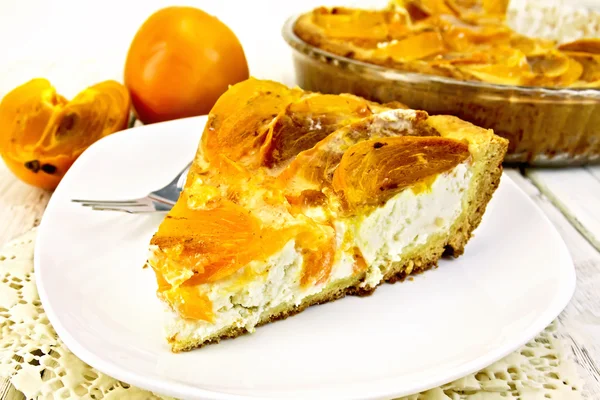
x=521, y=181
x=576, y=193
x=21, y=205
x=581, y=250
x=579, y=323
x=594, y=171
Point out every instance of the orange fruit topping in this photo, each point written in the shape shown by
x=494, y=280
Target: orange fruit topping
x=372, y=171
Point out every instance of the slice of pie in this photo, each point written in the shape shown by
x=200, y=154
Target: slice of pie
x=298, y=198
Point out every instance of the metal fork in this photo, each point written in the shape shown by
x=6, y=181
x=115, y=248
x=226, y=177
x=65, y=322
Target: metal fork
x=162, y=199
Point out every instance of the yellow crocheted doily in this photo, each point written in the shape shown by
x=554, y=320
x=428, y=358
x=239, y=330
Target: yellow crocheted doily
x=38, y=364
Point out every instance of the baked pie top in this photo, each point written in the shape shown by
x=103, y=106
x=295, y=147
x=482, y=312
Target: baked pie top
x=461, y=39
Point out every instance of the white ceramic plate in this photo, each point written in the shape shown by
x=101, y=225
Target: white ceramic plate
x=514, y=279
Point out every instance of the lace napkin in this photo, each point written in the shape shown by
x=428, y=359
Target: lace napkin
x=38, y=364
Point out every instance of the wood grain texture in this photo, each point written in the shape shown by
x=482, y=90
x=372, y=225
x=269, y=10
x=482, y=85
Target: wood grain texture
x=594, y=171
x=21, y=205
x=8, y=391
x=579, y=323
x=576, y=193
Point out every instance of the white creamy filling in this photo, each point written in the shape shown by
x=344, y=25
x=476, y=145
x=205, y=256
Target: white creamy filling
x=409, y=220
x=406, y=220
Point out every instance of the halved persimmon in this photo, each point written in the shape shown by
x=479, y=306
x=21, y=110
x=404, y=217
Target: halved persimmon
x=42, y=133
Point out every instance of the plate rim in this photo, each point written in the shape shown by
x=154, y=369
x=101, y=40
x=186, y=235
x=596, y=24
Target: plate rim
x=170, y=387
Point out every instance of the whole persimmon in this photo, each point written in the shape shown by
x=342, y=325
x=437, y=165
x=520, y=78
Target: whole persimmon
x=179, y=63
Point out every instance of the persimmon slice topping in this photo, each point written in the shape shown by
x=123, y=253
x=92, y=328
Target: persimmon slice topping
x=373, y=171
x=216, y=242
x=460, y=39
x=317, y=264
x=554, y=69
x=239, y=122
x=413, y=47
x=190, y=303
x=586, y=45
x=313, y=169
x=309, y=120
x=590, y=63
x=345, y=24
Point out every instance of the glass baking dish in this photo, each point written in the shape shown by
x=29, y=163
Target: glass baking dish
x=545, y=126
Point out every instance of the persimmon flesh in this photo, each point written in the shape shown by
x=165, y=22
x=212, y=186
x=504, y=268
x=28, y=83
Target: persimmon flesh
x=42, y=133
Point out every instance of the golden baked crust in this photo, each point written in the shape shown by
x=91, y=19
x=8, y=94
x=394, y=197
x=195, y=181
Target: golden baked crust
x=291, y=171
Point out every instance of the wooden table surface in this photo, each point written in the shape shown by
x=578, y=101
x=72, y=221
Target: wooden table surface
x=570, y=198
